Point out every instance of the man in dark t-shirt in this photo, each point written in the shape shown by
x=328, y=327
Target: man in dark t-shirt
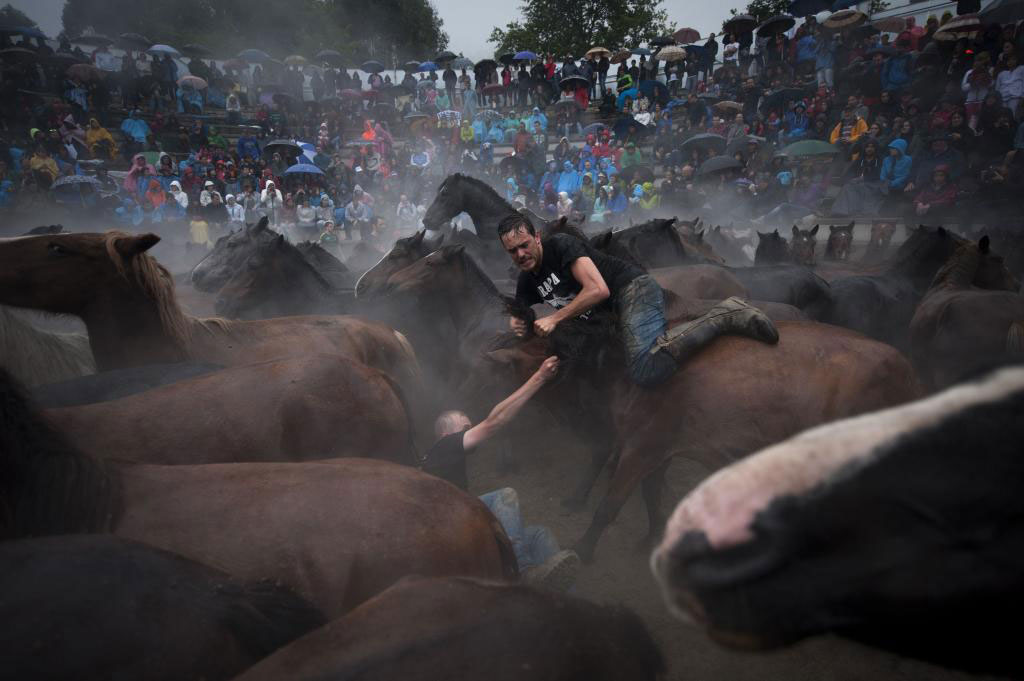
x=571, y=276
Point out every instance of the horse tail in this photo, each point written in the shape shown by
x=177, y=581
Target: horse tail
x=410, y=417
x=1015, y=338
x=410, y=355
x=509, y=562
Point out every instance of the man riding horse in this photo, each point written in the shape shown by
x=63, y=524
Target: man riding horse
x=574, y=278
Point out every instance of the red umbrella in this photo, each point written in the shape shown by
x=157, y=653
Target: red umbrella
x=350, y=94
x=686, y=35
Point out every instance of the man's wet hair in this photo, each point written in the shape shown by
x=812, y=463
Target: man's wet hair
x=449, y=422
x=513, y=222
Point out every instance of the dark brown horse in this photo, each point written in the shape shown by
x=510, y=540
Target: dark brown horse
x=457, y=628
x=840, y=240
x=959, y=328
x=292, y=409
x=405, y=252
x=96, y=606
x=878, y=244
x=127, y=302
x=803, y=245
x=335, y=532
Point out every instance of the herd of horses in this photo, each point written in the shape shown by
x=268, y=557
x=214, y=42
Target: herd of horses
x=265, y=460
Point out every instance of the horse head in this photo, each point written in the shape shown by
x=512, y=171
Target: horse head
x=772, y=248
x=840, y=238
x=229, y=255
x=803, y=245
x=992, y=272
x=405, y=252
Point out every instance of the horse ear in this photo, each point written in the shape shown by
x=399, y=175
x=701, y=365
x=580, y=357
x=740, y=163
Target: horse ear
x=417, y=238
x=763, y=235
x=131, y=246
x=941, y=231
x=815, y=230
x=776, y=232
x=718, y=229
x=983, y=245
x=279, y=241
x=700, y=236
x=261, y=225
x=796, y=232
x=455, y=249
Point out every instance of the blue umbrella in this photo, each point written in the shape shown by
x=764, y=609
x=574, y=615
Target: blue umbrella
x=525, y=55
x=27, y=31
x=307, y=168
x=594, y=128
x=254, y=55
x=163, y=49
x=427, y=66
x=654, y=89
x=641, y=50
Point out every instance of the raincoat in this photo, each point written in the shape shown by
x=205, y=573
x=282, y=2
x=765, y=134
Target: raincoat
x=896, y=172
x=135, y=128
x=570, y=179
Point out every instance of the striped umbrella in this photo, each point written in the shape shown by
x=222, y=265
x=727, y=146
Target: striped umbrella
x=963, y=26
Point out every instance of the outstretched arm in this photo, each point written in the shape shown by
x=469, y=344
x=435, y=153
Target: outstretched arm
x=507, y=409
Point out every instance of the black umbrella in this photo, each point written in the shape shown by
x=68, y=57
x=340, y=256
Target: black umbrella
x=661, y=41
x=287, y=148
x=411, y=66
x=63, y=59
x=780, y=23
x=16, y=54
x=93, y=39
x=717, y=164
x=654, y=89
x=568, y=103
x=1004, y=12
x=507, y=58
x=626, y=126
x=194, y=50
x=372, y=66
x=574, y=81
x=330, y=56
x=741, y=142
x=705, y=140
x=487, y=64
x=741, y=23
x=134, y=41
x=445, y=56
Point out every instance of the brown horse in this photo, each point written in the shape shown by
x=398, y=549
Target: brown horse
x=878, y=245
x=326, y=406
x=959, y=328
x=840, y=240
x=801, y=249
x=127, y=302
x=335, y=532
x=732, y=398
x=457, y=628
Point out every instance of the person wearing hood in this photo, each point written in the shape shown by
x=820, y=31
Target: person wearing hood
x=939, y=153
x=358, y=214
x=135, y=129
x=206, y=196
x=563, y=209
x=155, y=196
x=538, y=117
x=562, y=151
x=236, y=214
x=796, y=123
x=651, y=200
x=617, y=201
x=136, y=174
x=935, y=201
x=272, y=203
x=180, y=199
x=511, y=189
x=550, y=176
x=570, y=179
x=632, y=156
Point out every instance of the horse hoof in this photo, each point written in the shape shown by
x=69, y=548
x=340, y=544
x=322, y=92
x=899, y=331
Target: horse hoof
x=574, y=503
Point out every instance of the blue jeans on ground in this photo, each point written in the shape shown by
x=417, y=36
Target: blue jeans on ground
x=641, y=308
x=533, y=544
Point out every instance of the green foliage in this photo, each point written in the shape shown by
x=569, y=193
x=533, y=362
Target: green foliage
x=557, y=27
x=764, y=9
x=12, y=17
x=359, y=29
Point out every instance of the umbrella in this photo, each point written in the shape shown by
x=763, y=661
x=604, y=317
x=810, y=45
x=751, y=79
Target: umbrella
x=255, y=56
x=26, y=31
x=654, y=89
x=525, y=55
x=427, y=66
x=788, y=94
x=411, y=66
x=594, y=128
x=626, y=125
x=163, y=49
x=741, y=142
x=704, y=140
x=845, y=18
x=487, y=64
x=194, y=50
x=350, y=94
x=13, y=54
x=780, y=23
x=640, y=51
x=283, y=98
x=728, y=106
x=415, y=116
x=696, y=50
x=193, y=82
x=803, y=8
x=287, y=148
x=303, y=169
x=295, y=60
x=63, y=59
x=686, y=35
x=1004, y=12
x=574, y=81
x=890, y=24
x=809, y=148
x=741, y=23
x=84, y=72
x=329, y=56
x=717, y=164
x=372, y=66
x=449, y=115
x=134, y=41
x=663, y=40
x=236, y=64
x=74, y=180
x=507, y=58
x=963, y=26
x=93, y=39
x=491, y=90
x=598, y=52
x=621, y=56
x=446, y=56
x=671, y=53
x=429, y=85
x=462, y=63
x=489, y=115
x=568, y=103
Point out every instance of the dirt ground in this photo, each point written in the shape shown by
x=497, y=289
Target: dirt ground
x=620, y=575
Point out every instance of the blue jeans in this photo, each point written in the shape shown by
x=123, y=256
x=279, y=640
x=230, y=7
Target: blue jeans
x=641, y=308
x=532, y=545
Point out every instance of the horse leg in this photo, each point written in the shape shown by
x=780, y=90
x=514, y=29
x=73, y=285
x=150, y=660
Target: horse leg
x=599, y=455
x=636, y=463
x=652, y=487
x=593, y=425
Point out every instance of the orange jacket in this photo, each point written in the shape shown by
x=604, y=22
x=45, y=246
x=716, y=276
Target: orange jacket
x=859, y=128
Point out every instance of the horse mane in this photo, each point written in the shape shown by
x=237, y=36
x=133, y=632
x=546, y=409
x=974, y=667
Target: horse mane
x=36, y=357
x=959, y=270
x=46, y=485
x=918, y=245
x=476, y=274
x=479, y=185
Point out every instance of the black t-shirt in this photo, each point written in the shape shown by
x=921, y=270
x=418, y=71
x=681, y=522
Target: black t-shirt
x=554, y=284
x=447, y=460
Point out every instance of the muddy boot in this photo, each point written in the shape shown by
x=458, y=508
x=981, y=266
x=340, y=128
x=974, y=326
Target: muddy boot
x=731, y=316
x=557, y=573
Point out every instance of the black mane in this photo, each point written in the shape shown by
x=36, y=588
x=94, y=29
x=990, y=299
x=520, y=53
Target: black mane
x=46, y=485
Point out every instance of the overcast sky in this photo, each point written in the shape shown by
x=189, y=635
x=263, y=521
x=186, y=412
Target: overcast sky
x=468, y=22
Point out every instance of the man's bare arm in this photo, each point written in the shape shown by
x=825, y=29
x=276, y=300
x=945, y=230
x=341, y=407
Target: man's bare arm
x=507, y=409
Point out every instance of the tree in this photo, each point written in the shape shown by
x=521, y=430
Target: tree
x=357, y=28
x=556, y=27
x=12, y=17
